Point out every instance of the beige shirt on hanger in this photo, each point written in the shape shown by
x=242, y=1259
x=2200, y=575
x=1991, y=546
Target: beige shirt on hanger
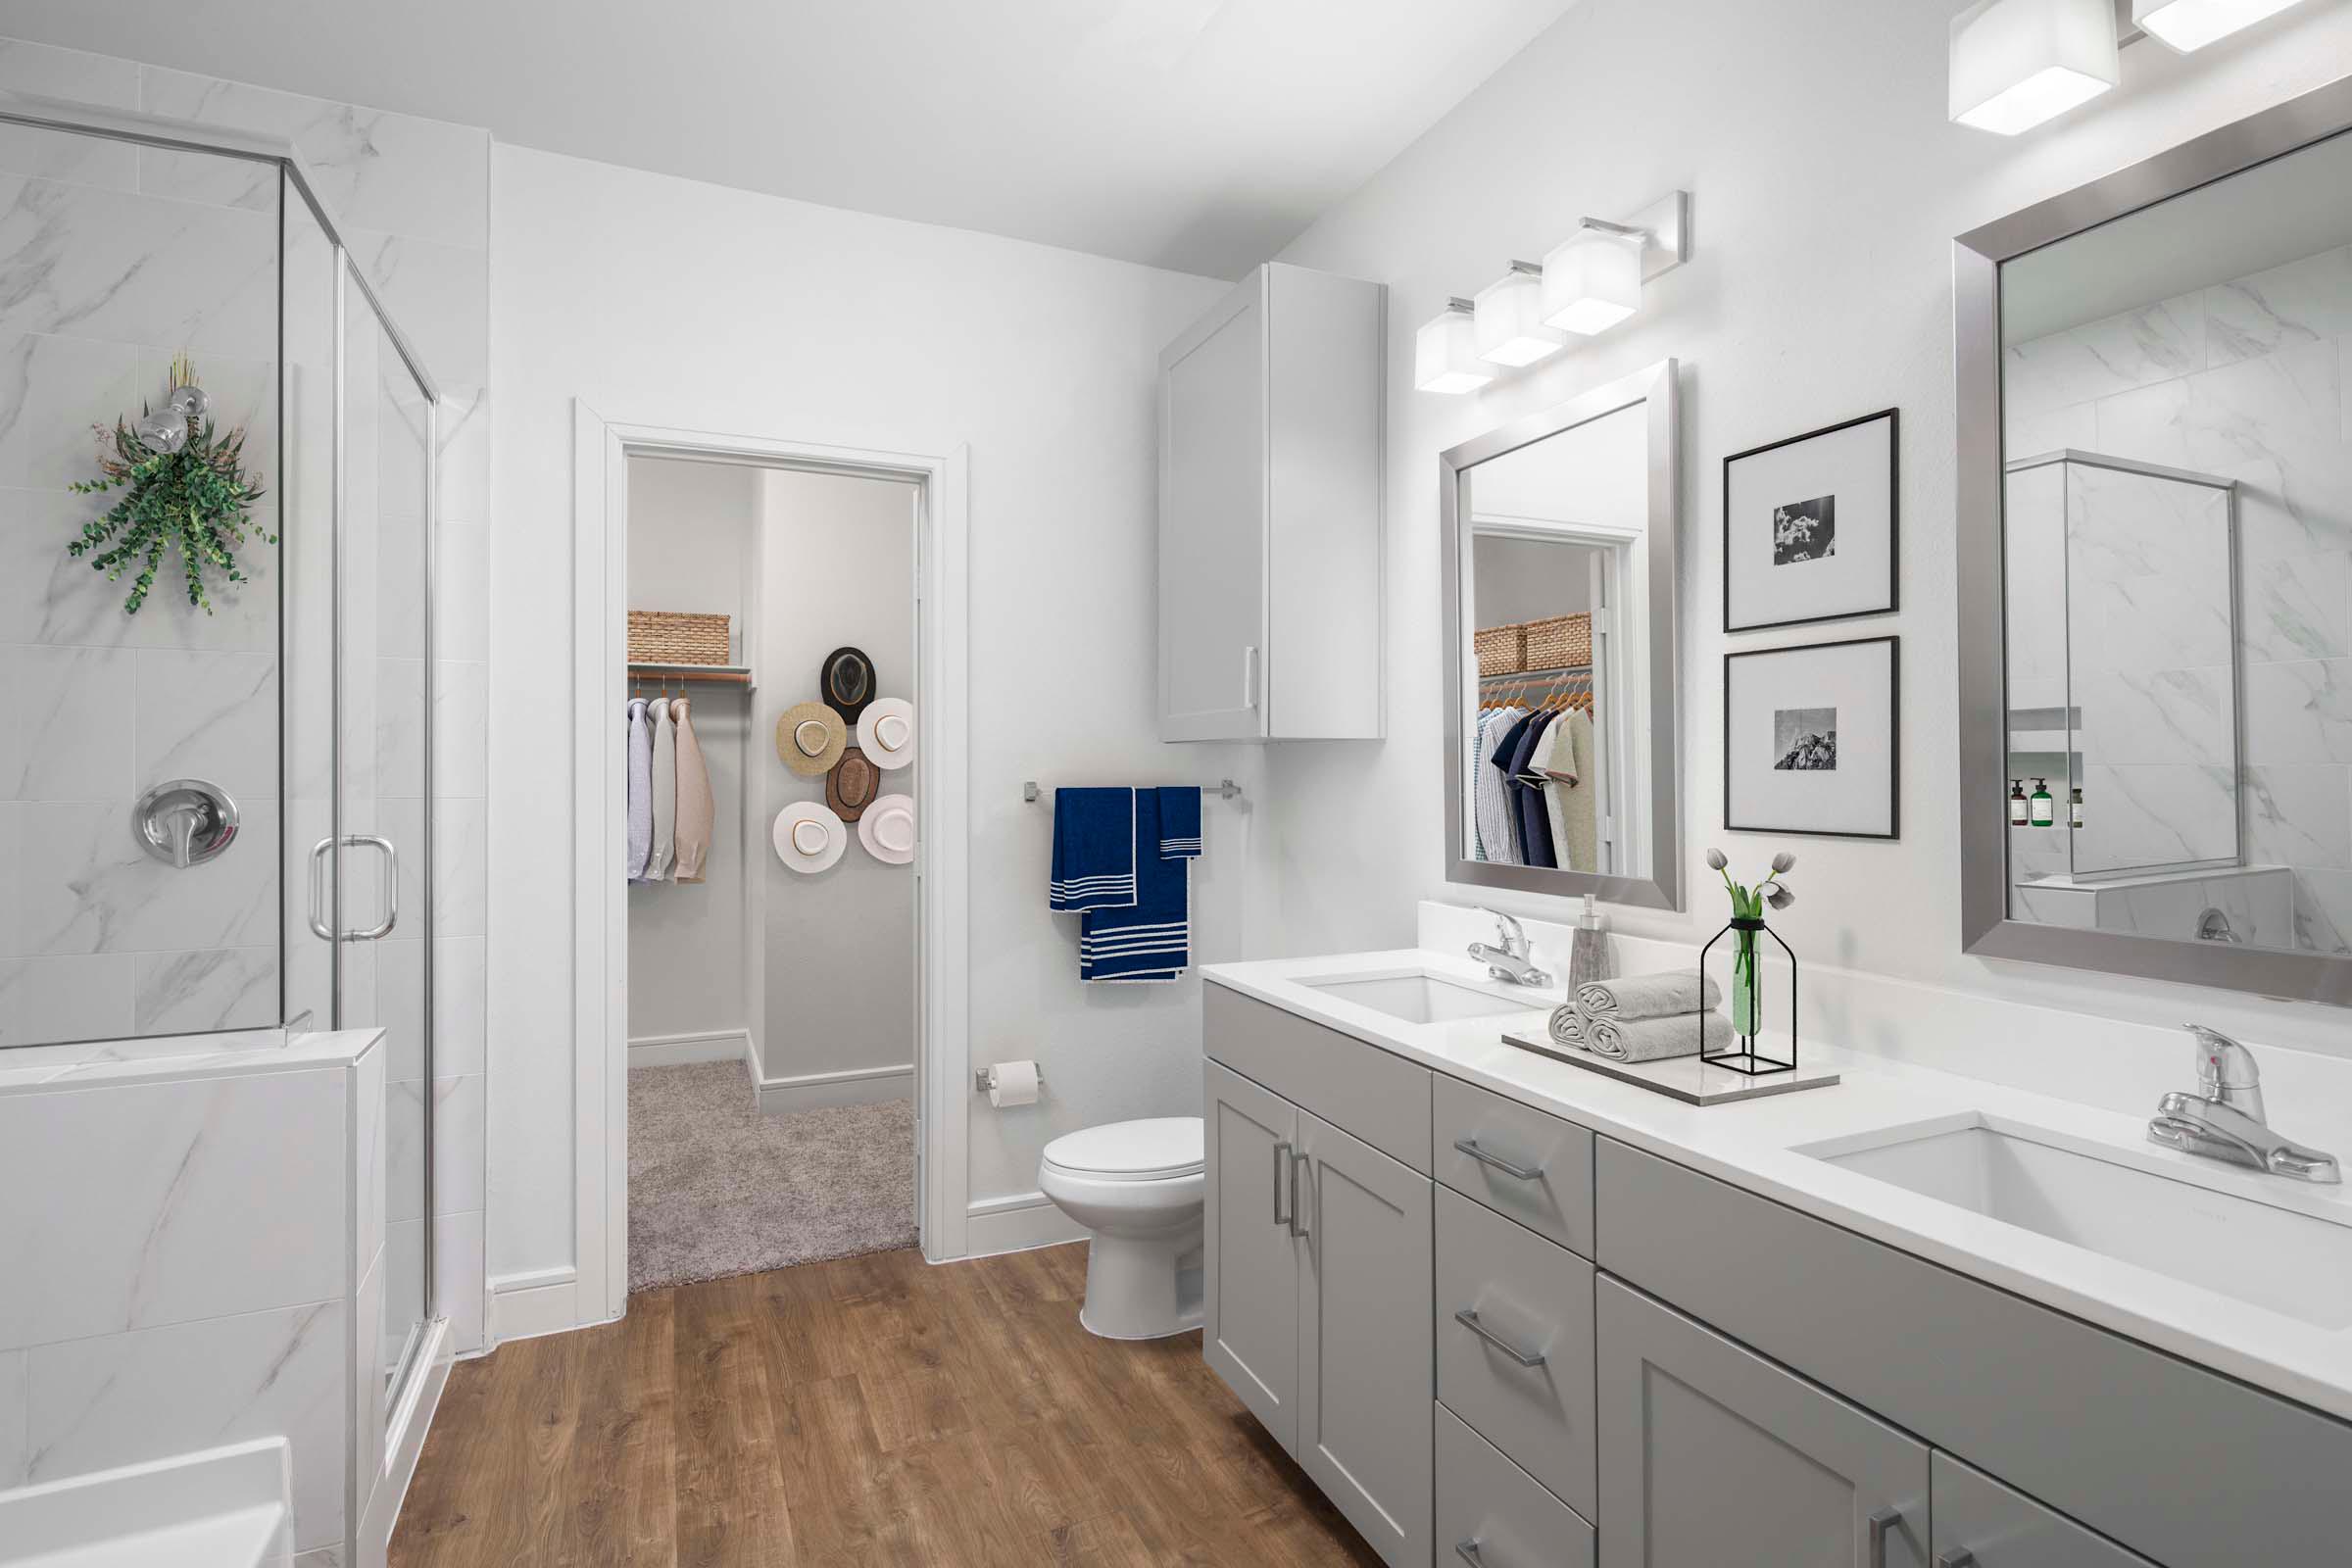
x=695, y=812
x=665, y=792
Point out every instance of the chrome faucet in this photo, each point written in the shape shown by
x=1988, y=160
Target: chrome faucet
x=2225, y=1120
x=1513, y=962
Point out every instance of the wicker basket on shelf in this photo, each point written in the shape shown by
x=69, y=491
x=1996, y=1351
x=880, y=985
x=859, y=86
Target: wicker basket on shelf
x=1564, y=642
x=1501, y=649
x=673, y=637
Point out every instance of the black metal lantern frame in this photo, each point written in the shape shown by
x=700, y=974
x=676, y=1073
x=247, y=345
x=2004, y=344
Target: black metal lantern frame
x=1743, y=1057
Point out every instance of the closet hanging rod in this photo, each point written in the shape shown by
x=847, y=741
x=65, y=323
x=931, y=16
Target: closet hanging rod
x=1557, y=670
x=726, y=675
x=1223, y=789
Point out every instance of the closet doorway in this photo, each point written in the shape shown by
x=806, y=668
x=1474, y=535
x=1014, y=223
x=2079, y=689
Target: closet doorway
x=778, y=948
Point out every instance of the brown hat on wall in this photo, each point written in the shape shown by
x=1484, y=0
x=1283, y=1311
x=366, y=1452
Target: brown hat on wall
x=852, y=785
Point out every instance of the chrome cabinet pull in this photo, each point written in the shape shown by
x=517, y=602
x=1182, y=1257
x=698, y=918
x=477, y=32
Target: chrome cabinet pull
x=318, y=925
x=1467, y=1551
x=1249, y=677
x=1281, y=1155
x=1957, y=1557
x=1885, y=1520
x=1469, y=1145
x=1468, y=1319
x=1297, y=1229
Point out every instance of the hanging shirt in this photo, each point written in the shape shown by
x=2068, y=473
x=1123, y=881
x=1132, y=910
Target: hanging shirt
x=1526, y=796
x=1496, y=820
x=640, y=791
x=659, y=863
x=697, y=812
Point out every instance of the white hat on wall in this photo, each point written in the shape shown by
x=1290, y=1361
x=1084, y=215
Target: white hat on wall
x=886, y=732
x=808, y=837
x=887, y=829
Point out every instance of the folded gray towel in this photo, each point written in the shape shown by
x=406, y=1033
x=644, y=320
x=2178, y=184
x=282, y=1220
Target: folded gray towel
x=1656, y=1039
x=1648, y=996
x=1568, y=1026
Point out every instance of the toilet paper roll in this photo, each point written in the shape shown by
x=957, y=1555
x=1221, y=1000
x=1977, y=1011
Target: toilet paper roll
x=1012, y=1083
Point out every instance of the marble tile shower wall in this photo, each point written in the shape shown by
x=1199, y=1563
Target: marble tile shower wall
x=2246, y=380
x=86, y=326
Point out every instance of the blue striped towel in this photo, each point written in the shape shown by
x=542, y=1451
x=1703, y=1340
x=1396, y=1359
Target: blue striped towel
x=1150, y=939
x=1093, y=850
x=1179, y=821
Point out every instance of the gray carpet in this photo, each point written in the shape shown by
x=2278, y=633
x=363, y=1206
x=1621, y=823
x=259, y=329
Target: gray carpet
x=716, y=1186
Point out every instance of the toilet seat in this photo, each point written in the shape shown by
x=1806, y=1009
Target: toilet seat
x=1156, y=1148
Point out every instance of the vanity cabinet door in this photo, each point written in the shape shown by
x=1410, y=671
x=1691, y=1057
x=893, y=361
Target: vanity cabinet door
x=1711, y=1455
x=1980, y=1523
x=1249, y=1331
x=1365, y=1347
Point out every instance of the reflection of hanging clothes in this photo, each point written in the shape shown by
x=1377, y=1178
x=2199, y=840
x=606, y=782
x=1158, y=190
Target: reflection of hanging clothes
x=1496, y=834
x=641, y=790
x=658, y=862
x=1527, y=798
x=696, y=811
x=1569, y=797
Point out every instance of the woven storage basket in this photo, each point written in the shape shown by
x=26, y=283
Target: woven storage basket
x=1564, y=642
x=1501, y=649
x=670, y=637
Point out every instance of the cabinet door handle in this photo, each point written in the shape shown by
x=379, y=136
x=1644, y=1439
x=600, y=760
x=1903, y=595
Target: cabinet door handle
x=1467, y=1551
x=1957, y=1557
x=1281, y=1156
x=1469, y=1145
x=1297, y=1229
x=1467, y=1317
x=1249, y=676
x=1885, y=1520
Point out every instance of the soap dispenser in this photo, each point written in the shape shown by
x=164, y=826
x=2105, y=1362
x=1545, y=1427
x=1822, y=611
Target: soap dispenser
x=2017, y=802
x=2075, y=808
x=2044, y=803
x=1589, y=954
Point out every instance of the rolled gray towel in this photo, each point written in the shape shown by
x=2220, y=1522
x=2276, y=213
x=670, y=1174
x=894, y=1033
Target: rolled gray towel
x=1656, y=1039
x=1568, y=1027
x=1648, y=996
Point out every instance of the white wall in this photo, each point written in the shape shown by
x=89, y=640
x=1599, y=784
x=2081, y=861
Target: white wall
x=663, y=301
x=692, y=528
x=1825, y=187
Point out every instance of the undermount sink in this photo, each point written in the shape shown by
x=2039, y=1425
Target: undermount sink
x=1423, y=998
x=2106, y=1202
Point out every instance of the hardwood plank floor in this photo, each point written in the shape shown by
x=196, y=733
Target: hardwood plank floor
x=867, y=1410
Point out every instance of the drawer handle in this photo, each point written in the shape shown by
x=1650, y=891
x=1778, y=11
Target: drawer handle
x=1469, y=1145
x=1467, y=1551
x=1885, y=1520
x=1959, y=1557
x=1297, y=1228
x=1467, y=1317
x=1281, y=1157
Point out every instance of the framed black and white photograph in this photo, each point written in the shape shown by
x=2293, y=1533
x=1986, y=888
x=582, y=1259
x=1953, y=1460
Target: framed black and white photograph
x=1812, y=739
x=1809, y=526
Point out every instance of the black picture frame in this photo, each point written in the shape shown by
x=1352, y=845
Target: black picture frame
x=1894, y=520
x=1894, y=739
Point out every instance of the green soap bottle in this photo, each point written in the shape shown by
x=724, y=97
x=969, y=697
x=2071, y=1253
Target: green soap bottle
x=2044, y=804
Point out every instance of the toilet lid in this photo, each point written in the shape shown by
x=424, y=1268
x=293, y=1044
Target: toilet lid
x=1133, y=1150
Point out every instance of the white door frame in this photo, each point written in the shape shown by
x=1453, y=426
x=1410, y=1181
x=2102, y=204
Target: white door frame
x=601, y=450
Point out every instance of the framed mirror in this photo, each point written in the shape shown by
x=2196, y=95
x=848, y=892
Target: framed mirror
x=2156, y=565
x=1561, y=539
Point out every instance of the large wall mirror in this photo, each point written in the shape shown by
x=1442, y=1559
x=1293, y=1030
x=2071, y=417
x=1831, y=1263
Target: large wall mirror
x=2156, y=564
x=1560, y=536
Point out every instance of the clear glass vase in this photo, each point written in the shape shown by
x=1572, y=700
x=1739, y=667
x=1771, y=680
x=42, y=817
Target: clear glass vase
x=1746, y=1009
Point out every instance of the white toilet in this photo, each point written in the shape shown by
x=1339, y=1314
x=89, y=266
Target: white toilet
x=1139, y=1187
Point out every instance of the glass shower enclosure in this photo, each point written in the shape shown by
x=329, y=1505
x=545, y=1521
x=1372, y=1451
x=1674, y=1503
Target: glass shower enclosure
x=216, y=804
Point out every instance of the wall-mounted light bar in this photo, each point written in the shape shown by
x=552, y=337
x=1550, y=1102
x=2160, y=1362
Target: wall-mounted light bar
x=1445, y=352
x=2190, y=25
x=2016, y=63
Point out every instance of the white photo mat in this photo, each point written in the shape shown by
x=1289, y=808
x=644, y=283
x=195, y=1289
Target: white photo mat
x=1779, y=706
x=1810, y=525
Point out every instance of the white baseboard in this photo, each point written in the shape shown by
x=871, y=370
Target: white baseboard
x=672, y=1050
x=1016, y=1224
x=816, y=1091
x=526, y=1305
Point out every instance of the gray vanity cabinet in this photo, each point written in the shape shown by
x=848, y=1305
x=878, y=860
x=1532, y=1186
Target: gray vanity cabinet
x=1709, y=1454
x=1979, y=1523
x=1249, y=1331
x=1364, y=1339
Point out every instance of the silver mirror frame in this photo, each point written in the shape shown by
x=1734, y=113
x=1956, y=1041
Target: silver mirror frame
x=1655, y=389
x=1977, y=257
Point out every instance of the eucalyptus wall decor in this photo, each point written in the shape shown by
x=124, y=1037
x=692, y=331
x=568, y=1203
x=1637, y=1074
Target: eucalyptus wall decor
x=185, y=487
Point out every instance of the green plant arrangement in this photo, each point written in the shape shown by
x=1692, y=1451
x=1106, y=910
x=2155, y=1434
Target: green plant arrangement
x=1748, y=902
x=185, y=487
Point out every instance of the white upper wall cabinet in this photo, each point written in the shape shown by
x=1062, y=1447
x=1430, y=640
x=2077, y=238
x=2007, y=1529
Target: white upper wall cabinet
x=1270, y=421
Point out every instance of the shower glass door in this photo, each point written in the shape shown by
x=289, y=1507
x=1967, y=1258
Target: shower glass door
x=381, y=884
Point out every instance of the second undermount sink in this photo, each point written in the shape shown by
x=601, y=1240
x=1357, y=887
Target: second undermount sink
x=1424, y=997
x=2122, y=1206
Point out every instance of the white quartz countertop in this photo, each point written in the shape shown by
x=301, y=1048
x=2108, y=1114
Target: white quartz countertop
x=1753, y=1144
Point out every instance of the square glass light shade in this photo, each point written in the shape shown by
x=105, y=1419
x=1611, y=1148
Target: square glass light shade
x=2188, y=25
x=1445, y=354
x=2016, y=63
x=1592, y=282
x=1510, y=320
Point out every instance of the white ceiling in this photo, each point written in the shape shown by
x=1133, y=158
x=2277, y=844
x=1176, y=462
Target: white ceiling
x=1194, y=135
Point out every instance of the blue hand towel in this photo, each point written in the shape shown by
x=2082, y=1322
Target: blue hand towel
x=1152, y=940
x=1093, y=850
x=1179, y=821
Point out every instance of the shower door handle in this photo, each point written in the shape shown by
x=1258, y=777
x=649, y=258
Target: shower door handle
x=319, y=926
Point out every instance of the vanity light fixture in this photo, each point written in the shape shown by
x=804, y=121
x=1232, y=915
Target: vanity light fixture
x=1592, y=279
x=1510, y=319
x=2016, y=63
x=2190, y=25
x=1445, y=352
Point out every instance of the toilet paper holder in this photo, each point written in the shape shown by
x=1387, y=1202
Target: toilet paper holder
x=981, y=1083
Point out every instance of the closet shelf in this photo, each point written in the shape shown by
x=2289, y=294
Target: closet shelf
x=722, y=675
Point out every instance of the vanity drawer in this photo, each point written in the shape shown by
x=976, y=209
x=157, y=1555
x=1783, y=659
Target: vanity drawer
x=1492, y=1514
x=1534, y=1167
x=1382, y=1099
x=1528, y=1298
x=2187, y=1466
